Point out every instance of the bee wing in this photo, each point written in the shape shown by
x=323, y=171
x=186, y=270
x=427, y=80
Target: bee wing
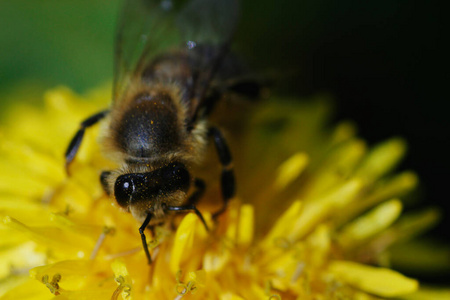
x=148, y=28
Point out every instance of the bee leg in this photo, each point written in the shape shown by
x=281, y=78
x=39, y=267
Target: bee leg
x=76, y=140
x=195, y=196
x=144, y=239
x=198, y=193
x=227, y=179
x=189, y=207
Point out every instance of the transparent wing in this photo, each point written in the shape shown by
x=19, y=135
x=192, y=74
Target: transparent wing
x=149, y=28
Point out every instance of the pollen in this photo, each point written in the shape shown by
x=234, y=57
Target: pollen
x=315, y=215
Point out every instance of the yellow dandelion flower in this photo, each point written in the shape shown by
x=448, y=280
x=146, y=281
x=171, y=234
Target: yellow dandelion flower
x=315, y=215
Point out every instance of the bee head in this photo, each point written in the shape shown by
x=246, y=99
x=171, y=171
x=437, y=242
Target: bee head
x=141, y=192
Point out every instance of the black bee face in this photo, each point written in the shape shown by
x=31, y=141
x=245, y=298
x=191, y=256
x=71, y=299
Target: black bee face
x=149, y=193
x=141, y=188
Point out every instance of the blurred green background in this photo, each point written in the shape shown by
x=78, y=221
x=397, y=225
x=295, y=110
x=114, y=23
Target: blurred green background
x=385, y=62
x=53, y=42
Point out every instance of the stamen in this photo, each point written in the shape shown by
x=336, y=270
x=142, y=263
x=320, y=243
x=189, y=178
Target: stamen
x=126, y=288
x=181, y=288
x=283, y=243
x=121, y=254
x=268, y=289
x=101, y=238
x=297, y=272
x=53, y=285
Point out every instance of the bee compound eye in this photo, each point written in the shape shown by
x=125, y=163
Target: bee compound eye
x=179, y=177
x=181, y=174
x=123, y=190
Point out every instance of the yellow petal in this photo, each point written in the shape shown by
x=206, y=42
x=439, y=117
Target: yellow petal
x=285, y=267
x=425, y=293
x=65, y=243
x=19, y=257
x=319, y=209
x=421, y=257
x=198, y=277
x=232, y=220
x=216, y=259
x=100, y=294
x=119, y=268
x=284, y=223
x=344, y=131
x=183, y=241
x=11, y=282
x=412, y=224
x=24, y=156
x=245, y=227
x=14, y=182
x=74, y=195
x=375, y=221
x=379, y=281
x=382, y=159
x=338, y=166
x=74, y=273
x=319, y=243
x=230, y=296
x=290, y=170
x=28, y=290
x=7, y=239
x=34, y=213
x=397, y=186
x=252, y=290
x=62, y=221
x=394, y=187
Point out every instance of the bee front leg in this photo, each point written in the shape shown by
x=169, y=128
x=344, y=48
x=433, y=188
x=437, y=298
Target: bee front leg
x=144, y=239
x=75, y=143
x=194, y=197
x=186, y=208
x=227, y=180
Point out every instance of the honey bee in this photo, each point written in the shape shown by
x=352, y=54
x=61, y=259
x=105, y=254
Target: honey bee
x=172, y=64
